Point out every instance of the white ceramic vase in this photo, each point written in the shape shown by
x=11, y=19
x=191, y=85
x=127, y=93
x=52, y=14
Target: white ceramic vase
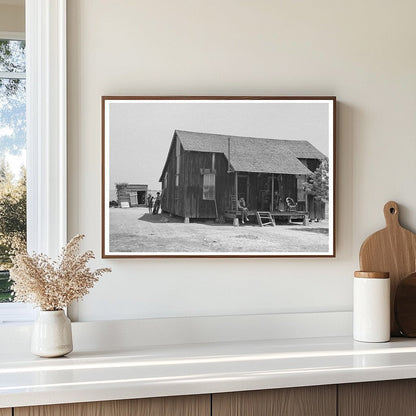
x=52, y=334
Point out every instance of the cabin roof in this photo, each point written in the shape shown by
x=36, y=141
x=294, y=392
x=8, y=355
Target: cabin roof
x=252, y=154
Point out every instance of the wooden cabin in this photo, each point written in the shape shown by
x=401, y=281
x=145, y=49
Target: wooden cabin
x=204, y=174
x=133, y=194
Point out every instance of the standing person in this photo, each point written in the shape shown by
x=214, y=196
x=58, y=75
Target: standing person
x=157, y=204
x=150, y=203
x=242, y=206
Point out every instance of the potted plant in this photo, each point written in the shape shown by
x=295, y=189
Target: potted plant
x=52, y=286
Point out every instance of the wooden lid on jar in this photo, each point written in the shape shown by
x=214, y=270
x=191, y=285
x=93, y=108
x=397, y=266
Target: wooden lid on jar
x=372, y=275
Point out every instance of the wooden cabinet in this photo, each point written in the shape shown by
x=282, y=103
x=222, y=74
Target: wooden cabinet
x=163, y=406
x=300, y=401
x=381, y=398
x=385, y=398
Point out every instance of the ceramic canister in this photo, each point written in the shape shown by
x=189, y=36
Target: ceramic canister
x=371, y=310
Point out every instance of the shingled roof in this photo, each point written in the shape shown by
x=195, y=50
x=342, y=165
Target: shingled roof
x=252, y=154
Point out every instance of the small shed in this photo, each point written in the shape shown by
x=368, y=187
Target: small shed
x=204, y=174
x=134, y=194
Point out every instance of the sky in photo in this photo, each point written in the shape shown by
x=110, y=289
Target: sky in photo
x=141, y=132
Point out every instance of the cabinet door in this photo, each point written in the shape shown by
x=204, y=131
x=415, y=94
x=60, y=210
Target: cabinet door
x=163, y=406
x=300, y=401
x=5, y=412
x=381, y=398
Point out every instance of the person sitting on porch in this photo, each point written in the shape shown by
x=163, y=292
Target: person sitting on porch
x=242, y=206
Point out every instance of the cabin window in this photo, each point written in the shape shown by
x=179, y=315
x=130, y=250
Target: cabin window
x=209, y=186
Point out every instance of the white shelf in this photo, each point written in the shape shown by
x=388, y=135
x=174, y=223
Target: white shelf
x=150, y=371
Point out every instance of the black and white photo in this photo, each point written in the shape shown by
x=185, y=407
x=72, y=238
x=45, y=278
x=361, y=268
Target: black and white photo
x=218, y=176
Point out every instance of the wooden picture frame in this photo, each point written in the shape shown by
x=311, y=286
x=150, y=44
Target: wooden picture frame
x=232, y=176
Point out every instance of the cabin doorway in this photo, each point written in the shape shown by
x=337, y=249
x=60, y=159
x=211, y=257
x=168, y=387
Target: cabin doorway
x=243, y=187
x=141, y=197
x=137, y=198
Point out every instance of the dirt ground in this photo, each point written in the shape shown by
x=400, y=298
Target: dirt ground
x=135, y=230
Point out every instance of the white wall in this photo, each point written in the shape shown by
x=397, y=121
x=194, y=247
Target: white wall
x=361, y=51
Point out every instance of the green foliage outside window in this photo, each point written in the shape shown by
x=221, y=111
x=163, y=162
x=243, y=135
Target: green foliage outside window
x=12, y=148
x=12, y=224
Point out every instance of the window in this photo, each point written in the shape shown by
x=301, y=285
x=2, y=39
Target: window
x=12, y=155
x=46, y=135
x=208, y=192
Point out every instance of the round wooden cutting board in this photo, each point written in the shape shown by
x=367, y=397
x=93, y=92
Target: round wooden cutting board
x=405, y=305
x=393, y=250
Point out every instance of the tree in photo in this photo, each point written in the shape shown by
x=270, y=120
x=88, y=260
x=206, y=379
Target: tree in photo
x=317, y=183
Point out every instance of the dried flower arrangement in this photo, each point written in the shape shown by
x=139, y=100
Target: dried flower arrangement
x=53, y=285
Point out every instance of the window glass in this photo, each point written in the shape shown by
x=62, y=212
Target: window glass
x=12, y=56
x=12, y=156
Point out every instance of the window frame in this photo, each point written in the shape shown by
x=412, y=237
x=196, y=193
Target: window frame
x=46, y=138
x=10, y=312
x=208, y=186
x=46, y=125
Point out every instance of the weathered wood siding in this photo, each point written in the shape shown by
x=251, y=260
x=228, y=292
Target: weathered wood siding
x=186, y=199
x=123, y=195
x=194, y=206
x=184, y=196
x=170, y=194
x=224, y=184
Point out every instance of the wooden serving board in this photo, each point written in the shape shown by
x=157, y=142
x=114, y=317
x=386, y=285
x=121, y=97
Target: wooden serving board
x=393, y=250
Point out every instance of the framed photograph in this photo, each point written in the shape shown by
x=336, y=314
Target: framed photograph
x=218, y=176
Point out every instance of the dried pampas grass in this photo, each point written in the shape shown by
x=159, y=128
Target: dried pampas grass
x=53, y=285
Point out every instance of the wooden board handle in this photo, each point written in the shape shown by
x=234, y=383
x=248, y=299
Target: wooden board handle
x=391, y=214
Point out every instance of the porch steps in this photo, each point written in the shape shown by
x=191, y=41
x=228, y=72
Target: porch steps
x=265, y=218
